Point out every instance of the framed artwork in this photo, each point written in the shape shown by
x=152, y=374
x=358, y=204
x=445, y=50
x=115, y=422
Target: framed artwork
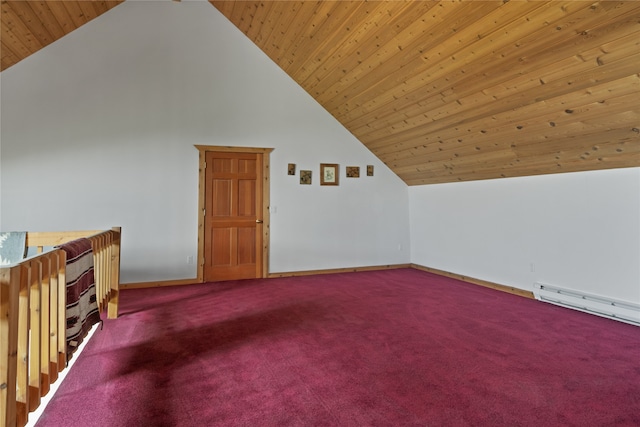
x=291, y=169
x=369, y=170
x=353, y=171
x=305, y=177
x=329, y=174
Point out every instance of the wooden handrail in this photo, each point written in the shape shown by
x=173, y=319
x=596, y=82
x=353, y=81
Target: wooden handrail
x=43, y=239
x=106, y=250
x=33, y=317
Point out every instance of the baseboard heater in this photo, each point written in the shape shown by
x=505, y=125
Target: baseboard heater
x=595, y=304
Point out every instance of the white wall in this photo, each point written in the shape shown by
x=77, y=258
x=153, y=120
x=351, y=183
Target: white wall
x=577, y=230
x=108, y=116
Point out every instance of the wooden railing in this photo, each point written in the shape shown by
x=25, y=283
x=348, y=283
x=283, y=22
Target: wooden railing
x=33, y=317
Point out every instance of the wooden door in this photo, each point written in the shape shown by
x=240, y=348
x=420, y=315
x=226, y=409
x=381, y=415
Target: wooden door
x=232, y=216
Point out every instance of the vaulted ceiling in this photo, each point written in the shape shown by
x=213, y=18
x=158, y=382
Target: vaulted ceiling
x=28, y=26
x=440, y=91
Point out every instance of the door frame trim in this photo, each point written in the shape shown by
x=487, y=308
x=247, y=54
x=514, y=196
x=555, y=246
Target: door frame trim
x=203, y=149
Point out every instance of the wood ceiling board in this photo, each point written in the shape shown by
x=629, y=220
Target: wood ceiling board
x=7, y=56
x=308, y=56
x=15, y=31
x=43, y=12
x=354, y=44
x=493, y=97
x=375, y=65
x=258, y=18
x=499, y=73
x=595, y=115
x=390, y=70
x=540, y=148
x=28, y=26
x=551, y=110
x=430, y=74
x=61, y=15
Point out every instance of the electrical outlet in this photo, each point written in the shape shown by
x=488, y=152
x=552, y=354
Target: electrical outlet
x=532, y=267
x=190, y=259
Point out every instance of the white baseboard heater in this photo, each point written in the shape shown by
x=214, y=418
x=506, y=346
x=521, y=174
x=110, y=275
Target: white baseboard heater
x=595, y=304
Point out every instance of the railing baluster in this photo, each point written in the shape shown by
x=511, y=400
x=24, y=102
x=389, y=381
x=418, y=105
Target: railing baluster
x=22, y=386
x=62, y=310
x=45, y=307
x=34, y=336
x=9, y=287
x=33, y=318
x=53, y=316
x=114, y=265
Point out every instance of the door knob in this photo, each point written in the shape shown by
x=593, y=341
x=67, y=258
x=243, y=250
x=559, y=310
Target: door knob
x=258, y=221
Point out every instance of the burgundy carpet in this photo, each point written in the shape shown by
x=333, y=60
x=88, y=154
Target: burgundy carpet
x=387, y=348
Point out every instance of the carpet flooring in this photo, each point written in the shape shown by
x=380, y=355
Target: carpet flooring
x=381, y=348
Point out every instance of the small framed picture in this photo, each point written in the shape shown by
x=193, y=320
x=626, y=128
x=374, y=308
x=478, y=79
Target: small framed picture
x=353, y=171
x=305, y=177
x=329, y=174
x=291, y=169
x=369, y=170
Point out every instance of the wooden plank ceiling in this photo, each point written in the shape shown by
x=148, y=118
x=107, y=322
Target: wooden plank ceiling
x=441, y=91
x=28, y=26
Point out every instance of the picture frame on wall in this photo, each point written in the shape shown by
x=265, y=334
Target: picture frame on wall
x=353, y=171
x=329, y=174
x=369, y=170
x=291, y=169
x=305, y=177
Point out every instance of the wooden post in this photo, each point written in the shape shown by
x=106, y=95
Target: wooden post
x=45, y=299
x=53, y=315
x=34, y=346
x=9, y=290
x=24, y=320
x=62, y=311
x=114, y=291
